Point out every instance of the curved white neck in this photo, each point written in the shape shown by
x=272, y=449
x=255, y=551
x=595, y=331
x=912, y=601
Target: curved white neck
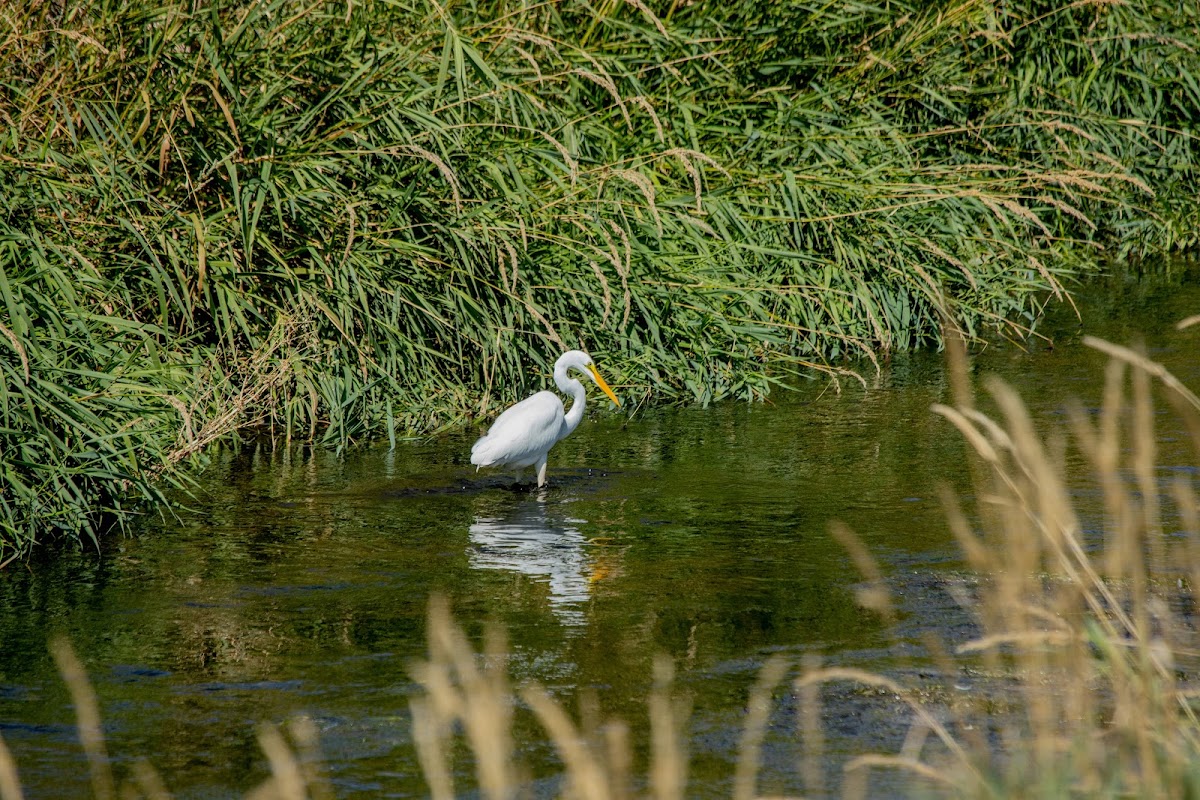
x=568, y=385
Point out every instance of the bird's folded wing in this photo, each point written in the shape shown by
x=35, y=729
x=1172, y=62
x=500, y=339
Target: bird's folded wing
x=522, y=433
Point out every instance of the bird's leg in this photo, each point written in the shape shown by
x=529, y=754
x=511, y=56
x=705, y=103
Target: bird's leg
x=541, y=468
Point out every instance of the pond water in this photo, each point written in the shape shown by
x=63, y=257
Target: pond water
x=300, y=582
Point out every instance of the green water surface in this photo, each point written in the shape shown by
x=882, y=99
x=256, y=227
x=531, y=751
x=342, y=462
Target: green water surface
x=300, y=582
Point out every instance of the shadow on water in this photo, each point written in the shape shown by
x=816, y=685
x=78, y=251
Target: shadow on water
x=518, y=485
x=300, y=581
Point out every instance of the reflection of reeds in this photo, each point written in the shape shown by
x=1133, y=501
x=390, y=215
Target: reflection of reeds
x=1085, y=637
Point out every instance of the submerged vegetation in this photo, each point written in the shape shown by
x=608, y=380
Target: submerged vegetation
x=334, y=220
x=1082, y=664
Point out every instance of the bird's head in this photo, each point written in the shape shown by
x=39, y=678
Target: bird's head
x=583, y=362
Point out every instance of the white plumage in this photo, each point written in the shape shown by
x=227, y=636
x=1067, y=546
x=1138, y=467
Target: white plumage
x=523, y=435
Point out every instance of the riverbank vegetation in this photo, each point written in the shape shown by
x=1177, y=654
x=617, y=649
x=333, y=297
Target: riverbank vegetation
x=1078, y=677
x=335, y=220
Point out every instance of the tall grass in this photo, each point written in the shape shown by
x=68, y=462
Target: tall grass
x=338, y=220
x=1093, y=622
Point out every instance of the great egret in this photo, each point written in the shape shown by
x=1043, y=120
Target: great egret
x=523, y=435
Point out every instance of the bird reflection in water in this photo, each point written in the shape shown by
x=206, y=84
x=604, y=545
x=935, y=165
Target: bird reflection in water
x=527, y=540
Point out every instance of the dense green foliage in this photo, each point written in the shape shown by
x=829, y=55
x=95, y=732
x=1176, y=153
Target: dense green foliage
x=335, y=219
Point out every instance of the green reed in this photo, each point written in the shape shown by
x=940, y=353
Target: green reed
x=330, y=220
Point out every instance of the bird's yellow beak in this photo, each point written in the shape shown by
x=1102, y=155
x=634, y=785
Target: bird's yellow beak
x=603, y=386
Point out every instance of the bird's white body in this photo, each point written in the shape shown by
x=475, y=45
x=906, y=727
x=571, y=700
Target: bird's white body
x=523, y=435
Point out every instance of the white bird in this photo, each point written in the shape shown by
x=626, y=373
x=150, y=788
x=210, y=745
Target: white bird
x=523, y=435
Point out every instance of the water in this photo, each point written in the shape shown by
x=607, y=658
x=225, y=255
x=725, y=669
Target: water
x=300, y=582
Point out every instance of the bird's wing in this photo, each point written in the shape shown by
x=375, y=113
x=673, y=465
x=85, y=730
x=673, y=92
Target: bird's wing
x=522, y=433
